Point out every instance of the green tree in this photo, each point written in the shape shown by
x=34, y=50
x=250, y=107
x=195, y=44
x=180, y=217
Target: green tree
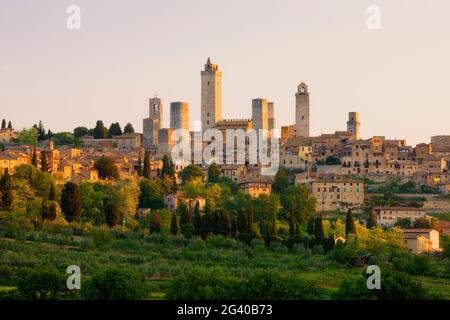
x=43, y=283
x=52, y=193
x=197, y=220
x=403, y=223
x=151, y=195
x=318, y=229
x=350, y=227
x=114, y=130
x=155, y=224
x=168, y=168
x=3, y=124
x=192, y=172
x=100, y=132
x=213, y=173
x=44, y=162
x=281, y=181
x=71, y=204
x=27, y=137
x=115, y=284
x=111, y=211
x=296, y=201
x=174, y=224
x=139, y=166
x=128, y=128
x=372, y=220
x=9, y=125
x=34, y=160
x=41, y=134
x=202, y=283
x=394, y=286
x=106, y=167
x=147, y=170
x=6, y=192
x=78, y=132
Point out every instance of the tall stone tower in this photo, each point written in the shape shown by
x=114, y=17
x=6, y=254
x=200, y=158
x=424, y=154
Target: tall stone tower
x=271, y=116
x=353, y=124
x=211, y=98
x=260, y=113
x=179, y=115
x=302, y=111
x=153, y=123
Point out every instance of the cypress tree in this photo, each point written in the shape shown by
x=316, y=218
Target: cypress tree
x=174, y=224
x=372, y=220
x=111, y=212
x=206, y=221
x=349, y=223
x=44, y=210
x=224, y=222
x=155, y=224
x=234, y=230
x=53, y=211
x=3, y=124
x=52, y=193
x=9, y=125
x=44, y=162
x=146, y=171
x=311, y=226
x=197, y=220
x=292, y=232
x=6, y=193
x=318, y=229
x=34, y=161
x=139, y=169
x=128, y=128
x=71, y=204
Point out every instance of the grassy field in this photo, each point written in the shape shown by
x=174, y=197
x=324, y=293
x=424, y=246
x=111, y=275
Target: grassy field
x=160, y=259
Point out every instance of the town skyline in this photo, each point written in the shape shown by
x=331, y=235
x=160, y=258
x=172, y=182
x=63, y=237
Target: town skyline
x=90, y=72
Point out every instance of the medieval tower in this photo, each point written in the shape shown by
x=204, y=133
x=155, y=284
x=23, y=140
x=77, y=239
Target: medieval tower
x=211, y=95
x=302, y=111
x=353, y=124
x=153, y=123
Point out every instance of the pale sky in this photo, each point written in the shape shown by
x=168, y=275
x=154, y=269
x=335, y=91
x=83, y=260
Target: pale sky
x=397, y=77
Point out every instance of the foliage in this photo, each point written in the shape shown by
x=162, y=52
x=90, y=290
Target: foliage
x=115, y=284
x=107, y=168
x=42, y=283
x=213, y=173
x=394, y=286
x=27, y=137
x=151, y=195
x=296, y=201
x=71, y=204
x=192, y=172
x=281, y=181
x=128, y=128
x=100, y=132
x=202, y=283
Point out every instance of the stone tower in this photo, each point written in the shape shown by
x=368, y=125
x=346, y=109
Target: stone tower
x=271, y=116
x=260, y=114
x=179, y=115
x=153, y=123
x=211, y=96
x=302, y=111
x=353, y=124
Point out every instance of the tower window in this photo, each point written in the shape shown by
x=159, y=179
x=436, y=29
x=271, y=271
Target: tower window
x=208, y=83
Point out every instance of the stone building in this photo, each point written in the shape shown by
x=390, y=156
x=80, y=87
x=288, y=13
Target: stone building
x=255, y=188
x=336, y=192
x=260, y=114
x=211, y=95
x=421, y=240
x=388, y=216
x=179, y=115
x=302, y=111
x=153, y=123
x=353, y=124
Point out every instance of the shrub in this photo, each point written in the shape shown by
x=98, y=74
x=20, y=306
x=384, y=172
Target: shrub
x=270, y=285
x=394, y=286
x=115, y=284
x=202, y=283
x=42, y=284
